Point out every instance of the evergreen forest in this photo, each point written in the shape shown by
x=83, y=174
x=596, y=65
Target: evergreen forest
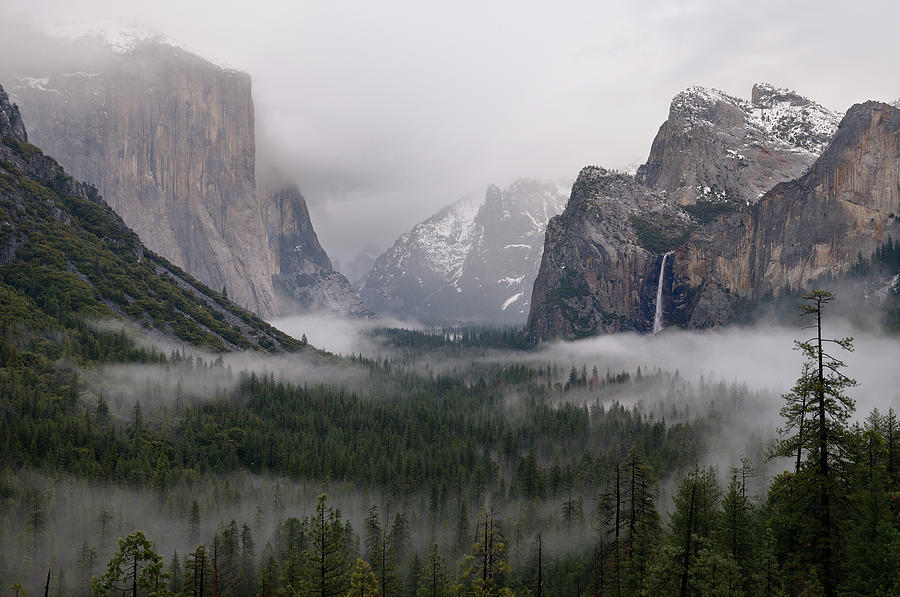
x=451, y=464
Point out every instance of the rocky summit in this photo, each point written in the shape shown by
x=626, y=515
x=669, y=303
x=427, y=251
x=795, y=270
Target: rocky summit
x=830, y=199
x=715, y=147
x=474, y=261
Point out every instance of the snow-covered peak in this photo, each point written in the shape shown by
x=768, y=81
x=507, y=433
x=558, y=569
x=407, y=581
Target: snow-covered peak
x=120, y=37
x=698, y=99
x=896, y=104
x=792, y=118
x=475, y=260
x=780, y=114
x=445, y=238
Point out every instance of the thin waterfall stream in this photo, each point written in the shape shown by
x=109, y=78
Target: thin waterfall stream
x=658, y=316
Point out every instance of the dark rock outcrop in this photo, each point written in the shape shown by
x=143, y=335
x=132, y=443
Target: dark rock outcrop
x=595, y=276
x=304, y=278
x=10, y=119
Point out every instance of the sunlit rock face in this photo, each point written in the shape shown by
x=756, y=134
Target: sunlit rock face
x=731, y=244
x=474, y=261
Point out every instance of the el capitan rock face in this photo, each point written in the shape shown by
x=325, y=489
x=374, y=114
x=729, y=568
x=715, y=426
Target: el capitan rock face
x=474, y=261
x=65, y=252
x=304, y=278
x=611, y=239
x=168, y=139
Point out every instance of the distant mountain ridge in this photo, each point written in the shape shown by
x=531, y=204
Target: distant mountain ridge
x=474, y=261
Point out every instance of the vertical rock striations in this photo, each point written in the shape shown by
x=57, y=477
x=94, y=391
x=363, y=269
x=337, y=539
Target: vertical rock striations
x=65, y=252
x=168, y=139
x=802, y=230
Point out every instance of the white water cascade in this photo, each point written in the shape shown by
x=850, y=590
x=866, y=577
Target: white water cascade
x=658, y=317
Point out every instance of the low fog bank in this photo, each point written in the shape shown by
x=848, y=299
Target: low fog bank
x=80, y=521
x=762, y=357
x=193, y=374
x=341, y=335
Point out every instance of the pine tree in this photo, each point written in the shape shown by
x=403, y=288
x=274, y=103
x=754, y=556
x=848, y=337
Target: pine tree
x=362, y=580
x=642, y=519
x=435, y=576
x=736, y=534
x=194, y=523
x=198, y=573
x=823, y=438
x=176, y=576
x=326, y=569
x=135, y=568
x=247, y=579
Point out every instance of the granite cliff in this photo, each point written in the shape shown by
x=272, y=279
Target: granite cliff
x=810, y=228
x=66, y=258
x=595, y=275
x=169, y=139
x=604, y=255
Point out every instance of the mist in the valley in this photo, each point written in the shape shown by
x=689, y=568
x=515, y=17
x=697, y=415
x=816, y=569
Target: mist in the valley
x=382, y=116
x=732, y=378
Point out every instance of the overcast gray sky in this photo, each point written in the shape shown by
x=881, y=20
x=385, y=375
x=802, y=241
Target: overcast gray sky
x=385, y=111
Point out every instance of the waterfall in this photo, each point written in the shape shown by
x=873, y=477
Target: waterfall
x=658, y=317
